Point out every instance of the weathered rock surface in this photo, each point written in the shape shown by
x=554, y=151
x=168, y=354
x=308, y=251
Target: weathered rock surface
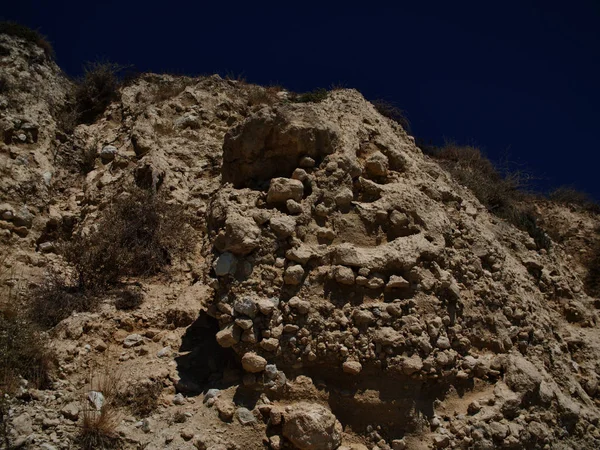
x=333, y=262
x=311, y=427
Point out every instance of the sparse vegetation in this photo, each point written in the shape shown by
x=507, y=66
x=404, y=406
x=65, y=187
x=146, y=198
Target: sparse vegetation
x=59, y=296
x=258, y=95
x=98, y=87
x=128, y=298
x=18, y=30
x=391, y=111
x=23, y=351
x=4, y=85
x=166, y=91
x=98, y=430
x=136, y=236
x=142, y=399
x=570, y=196
x=314, y=96
x=501, y=194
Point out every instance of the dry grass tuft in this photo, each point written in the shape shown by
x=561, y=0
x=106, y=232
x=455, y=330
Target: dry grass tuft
x=99, y=427
x=23, y=348
x=258, y=95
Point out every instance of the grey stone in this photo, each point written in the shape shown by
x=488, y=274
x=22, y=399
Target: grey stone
x=225, y=264
x=108, y=153
x=245, y=416
x=133, y=340
x=210, y=394
x=71, y=411
x=245, y=306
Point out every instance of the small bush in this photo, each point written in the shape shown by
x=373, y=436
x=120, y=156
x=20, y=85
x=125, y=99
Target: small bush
x=258, y=95
x=23, y=353
x=137, y=236
x=391, y=111
x=128, y=299
x=570, y=196
x=23, y=350
x=592, y=279
x=96, y=90
x=18, y=30
x=58, y=298
x=314, y=96
x=142, y=400
x=4, y=85
x=500, y=194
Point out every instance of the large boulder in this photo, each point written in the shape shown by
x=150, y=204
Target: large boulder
x=521, y=375
x=284, y=189
x=310, y=426
x=240, y=237
x=272, y=142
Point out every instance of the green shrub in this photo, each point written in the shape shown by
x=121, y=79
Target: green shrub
x=391, y=111
x=314, y=96
x=18, y=30
x=98, y=87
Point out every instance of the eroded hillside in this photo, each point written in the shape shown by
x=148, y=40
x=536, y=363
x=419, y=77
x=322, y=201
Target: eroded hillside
x=335, y=288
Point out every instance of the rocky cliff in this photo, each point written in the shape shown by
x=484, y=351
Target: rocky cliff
x=341, y=289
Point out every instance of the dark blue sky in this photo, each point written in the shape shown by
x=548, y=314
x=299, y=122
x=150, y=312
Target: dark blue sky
x=519, y=79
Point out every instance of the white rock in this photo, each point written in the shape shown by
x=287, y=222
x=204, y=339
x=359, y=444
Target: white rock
x=96, y=399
